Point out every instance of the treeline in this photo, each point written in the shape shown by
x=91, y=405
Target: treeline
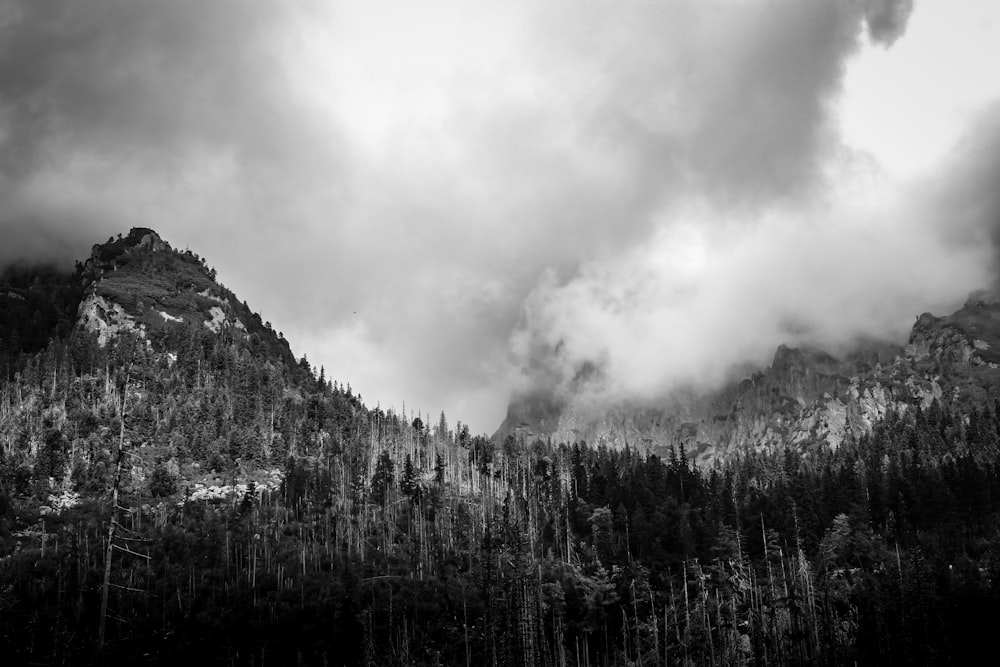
x=392, y=541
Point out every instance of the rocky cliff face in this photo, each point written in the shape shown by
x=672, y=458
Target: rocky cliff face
x=970, y=336
x=806, y=399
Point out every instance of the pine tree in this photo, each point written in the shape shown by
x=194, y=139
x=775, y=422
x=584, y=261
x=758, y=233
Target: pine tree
x=382, y=478
x=408, y=482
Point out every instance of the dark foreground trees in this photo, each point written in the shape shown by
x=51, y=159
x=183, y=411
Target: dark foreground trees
x=388, y=543
x=883, y=552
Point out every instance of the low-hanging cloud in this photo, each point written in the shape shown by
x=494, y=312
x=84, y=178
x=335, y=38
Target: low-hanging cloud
x=700, y=300
x=388, y=183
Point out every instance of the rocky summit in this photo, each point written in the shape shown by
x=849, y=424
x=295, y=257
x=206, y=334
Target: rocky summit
x=140, y=284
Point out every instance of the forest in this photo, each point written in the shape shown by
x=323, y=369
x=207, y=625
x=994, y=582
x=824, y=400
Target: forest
x=187, y=492
x=393, y=541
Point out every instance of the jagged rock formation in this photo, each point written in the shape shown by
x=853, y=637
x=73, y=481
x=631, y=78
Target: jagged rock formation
x=806, y=398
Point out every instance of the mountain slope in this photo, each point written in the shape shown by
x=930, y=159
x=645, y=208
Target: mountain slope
x=264, y=514
x=146, y=330
x=807, y=398
x=139, y=283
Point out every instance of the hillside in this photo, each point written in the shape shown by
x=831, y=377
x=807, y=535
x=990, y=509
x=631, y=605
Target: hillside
x=140, y=284
x=175, y=487
x=205, y=382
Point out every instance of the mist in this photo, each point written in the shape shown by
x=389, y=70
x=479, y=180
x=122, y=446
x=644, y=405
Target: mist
x=705, y=296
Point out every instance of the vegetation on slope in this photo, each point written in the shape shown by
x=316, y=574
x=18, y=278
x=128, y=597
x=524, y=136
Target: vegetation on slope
x=391, y=541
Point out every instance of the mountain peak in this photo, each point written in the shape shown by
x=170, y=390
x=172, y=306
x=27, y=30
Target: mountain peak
x=139, y=284
x=137, y=237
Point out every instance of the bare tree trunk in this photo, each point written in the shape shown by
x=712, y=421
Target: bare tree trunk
x=112, y=526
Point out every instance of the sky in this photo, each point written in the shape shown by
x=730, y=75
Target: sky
x=443, y=203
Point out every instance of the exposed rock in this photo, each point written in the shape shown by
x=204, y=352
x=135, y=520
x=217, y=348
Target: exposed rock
x=209, y=295
x=219, y=319
x=268, y=480
x=59, y=502
x=170, y=318
x=107, y=319
x=152, y=241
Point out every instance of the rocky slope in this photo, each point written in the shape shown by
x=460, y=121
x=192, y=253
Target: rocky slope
x=141, y=285
x=146, y=331
x=805, y=399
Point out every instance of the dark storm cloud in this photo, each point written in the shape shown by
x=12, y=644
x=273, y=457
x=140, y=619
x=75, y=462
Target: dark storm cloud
x=119, y=91
x=813, y=266
x=123, y=76
x=731, y=99
x=887, y=19
x=970, y=198
x=764, y=130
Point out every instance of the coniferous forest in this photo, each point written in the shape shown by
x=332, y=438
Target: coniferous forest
x=190, y=493
x=392, y=541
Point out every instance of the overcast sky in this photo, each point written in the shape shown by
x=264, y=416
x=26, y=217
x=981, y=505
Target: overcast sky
x=442, y=201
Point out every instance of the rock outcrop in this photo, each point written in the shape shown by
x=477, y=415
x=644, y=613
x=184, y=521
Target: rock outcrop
x=107, y=319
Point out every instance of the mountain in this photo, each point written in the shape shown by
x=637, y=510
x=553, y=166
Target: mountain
x=176, y=488
x=135, y=283
x=806, y=399
x=140, y=284
x=145, y=329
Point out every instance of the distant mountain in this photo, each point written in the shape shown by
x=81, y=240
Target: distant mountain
x=806, y=399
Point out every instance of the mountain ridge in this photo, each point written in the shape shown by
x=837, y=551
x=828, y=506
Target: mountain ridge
x=806, y=398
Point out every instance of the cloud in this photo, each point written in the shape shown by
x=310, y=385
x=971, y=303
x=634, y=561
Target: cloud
x=388, y=182
x=702, y=298
x=969, y=199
